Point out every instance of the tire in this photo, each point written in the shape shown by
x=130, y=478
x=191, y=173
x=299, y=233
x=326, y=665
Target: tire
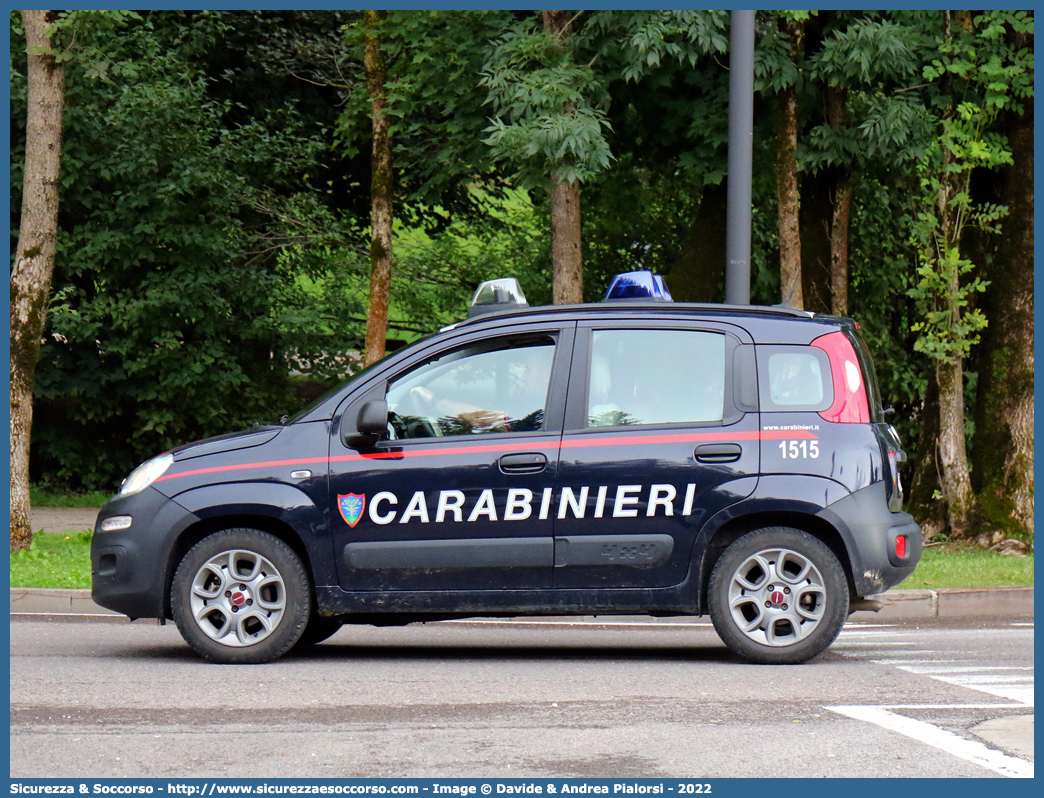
x=749, y=593
x=241, y=596
x=319, y=628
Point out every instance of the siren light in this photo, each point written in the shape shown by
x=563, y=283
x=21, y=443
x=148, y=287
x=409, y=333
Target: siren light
x=638, y=285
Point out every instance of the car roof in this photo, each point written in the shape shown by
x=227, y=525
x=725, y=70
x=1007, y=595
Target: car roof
x=643, y=307
x=776, y=324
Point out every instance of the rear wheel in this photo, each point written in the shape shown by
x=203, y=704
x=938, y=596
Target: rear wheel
x=778, y=595
x=241, y=596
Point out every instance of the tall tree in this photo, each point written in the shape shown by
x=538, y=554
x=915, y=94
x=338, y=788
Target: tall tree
x=867, y=66
x=793, y=25
x=1002, y=453
x=836, y=101
x=34, y=257
x=566, y=254
x=949, y=280
x=381, y=189
x=550, y=123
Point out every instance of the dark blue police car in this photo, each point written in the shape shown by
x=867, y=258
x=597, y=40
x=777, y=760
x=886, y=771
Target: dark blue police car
x=637, y=456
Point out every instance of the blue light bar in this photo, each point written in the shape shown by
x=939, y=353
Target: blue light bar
x=638, y=285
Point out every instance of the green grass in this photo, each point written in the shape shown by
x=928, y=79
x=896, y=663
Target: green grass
x=42, y=496
x=65, y=561
x=967, y=565
x=54, y=561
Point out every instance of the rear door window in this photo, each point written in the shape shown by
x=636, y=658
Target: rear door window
x=659, y=376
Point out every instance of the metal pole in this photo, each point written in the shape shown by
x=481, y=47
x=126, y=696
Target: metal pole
x=741, y=142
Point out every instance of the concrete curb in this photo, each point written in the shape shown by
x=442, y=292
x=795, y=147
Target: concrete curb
x=54, y=601
x=954, y=602
x=964, y=602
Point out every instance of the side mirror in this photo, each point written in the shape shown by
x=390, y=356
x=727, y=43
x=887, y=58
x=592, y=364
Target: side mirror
x=373, y=418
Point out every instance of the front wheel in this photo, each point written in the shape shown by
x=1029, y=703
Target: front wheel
x=318, y=629
x=241, y=596
x=778, y=596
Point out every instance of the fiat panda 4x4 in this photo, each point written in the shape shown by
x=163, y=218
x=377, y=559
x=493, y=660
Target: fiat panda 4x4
x=637, y=456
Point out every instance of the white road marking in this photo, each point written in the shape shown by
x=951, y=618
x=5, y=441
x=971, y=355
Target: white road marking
x=872, y=633
x=867, y=626
x=1022, y=694
x=962, y=668
x=914, y=661
x=968, y=750
x=986, y=678
x=30, y=615
x=1013, y=683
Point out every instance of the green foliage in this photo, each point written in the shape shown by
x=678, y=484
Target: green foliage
x=75, y=36
x=873, y=62
x=635, y=44
x=55, y=561
x=49, y=495
x=436, y=275
x=215, y=192
x=947, y=284
x=968, y=565
x=164, y=325
x=949, y=328
x=550, y=118
x=434, y=60
x=880, y=276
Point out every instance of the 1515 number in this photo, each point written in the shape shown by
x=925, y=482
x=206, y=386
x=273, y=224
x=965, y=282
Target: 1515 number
x=794, y=450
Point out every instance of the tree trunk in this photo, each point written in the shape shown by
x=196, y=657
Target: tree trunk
x=925, y=479
x=380, y=191
x=953, y=452
x=787, y=183
x=837, y=98
x=565, y=242
x=817, y=191
x=698, y=275
x=1003, y=449
x=34, y=257
x=566, y=258
x=839, y=247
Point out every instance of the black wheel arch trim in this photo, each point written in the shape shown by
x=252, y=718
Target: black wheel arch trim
x=807, y=496
x=281, y=510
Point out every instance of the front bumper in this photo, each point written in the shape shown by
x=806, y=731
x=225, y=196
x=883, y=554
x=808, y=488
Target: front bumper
x=130, y=567
x=869, y=530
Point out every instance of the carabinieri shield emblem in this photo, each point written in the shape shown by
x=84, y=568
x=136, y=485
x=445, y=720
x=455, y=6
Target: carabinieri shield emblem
x=351, y=507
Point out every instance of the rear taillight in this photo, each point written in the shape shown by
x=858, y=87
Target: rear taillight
x=850, y=405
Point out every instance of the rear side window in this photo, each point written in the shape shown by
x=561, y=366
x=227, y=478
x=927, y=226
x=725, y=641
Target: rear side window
x=655, y=377
x=794, y=378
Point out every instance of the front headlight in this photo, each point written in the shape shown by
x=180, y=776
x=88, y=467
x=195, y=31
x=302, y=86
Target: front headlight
x=145, y=474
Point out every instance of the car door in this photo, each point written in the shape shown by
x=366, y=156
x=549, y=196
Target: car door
x=660, y=434
x=457, y=495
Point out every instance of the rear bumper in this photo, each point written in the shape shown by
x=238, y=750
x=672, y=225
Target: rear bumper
x=870, y=530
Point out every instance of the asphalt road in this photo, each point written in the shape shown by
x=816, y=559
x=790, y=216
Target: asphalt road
x=619, y=698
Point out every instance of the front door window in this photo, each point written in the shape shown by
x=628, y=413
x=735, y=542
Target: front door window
x=474, y=390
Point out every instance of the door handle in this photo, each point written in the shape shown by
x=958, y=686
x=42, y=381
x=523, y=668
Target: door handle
x=718, y=453
x=528, y=463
